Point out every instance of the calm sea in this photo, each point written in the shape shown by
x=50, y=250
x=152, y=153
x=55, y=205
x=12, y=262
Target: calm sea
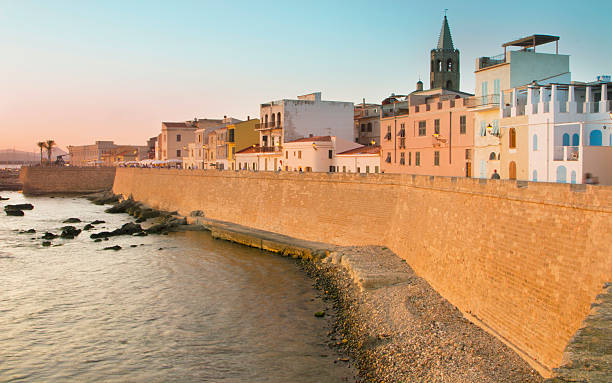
x=177, y=308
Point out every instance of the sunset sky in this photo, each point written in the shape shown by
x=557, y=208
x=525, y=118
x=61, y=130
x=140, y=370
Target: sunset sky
x=80, y=71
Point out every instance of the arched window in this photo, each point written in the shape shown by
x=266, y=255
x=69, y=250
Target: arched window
x=492, y=156
x=266, y=119
x=561, y=174
x=512, y=138
x=278, y=120
x=498, y=156
x=439, y=66
x=273, y=119
x=573, y=179
x=535, y=142
x=595, y=138
x=535, y=176
x=433, y=68
x=565, y=139
x=369, y=126
x=512, y=170
x=449, y=84
x=575, y=139
x=449, y=65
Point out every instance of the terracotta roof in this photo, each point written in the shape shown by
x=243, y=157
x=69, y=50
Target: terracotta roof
x=362, y=150
x=250, y=149
x=312, y=139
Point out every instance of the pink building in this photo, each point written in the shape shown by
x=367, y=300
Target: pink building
x=431, y=134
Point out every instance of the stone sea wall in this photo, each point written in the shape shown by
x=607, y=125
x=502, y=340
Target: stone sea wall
x=522, y=260
x=66, y=179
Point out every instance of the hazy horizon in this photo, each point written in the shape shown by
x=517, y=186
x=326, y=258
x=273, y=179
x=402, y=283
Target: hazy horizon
x=77, y=72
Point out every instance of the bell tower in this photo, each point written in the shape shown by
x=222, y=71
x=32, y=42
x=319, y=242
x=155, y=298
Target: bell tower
x=444, y=71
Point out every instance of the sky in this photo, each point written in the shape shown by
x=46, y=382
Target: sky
x=81, y=71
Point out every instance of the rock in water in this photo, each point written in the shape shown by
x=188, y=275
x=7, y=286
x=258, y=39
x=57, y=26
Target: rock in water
x=48, y=235
x=116, y=248
x=4, y=199
x=46, y=244
x=69, y=232
x=97, y=222
x=15, y=213
x=72, y=220
x=21, y=206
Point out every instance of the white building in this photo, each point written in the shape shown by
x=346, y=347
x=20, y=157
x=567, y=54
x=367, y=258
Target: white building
x=286, y=120
x=314, y=154
x=365, y=159
x=498, y=73
x=569, y=131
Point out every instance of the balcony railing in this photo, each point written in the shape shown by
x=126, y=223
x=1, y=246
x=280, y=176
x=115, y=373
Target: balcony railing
x=485, y=62
x=268, y=125
x=268, y=149
x=395, y=112
x=476, y=101
x=566, y=153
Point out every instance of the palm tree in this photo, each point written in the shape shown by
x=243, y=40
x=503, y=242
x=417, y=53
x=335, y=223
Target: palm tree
x=49, y=146
x=42, y=146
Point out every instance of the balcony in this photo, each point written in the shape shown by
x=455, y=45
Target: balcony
x=395, y=112
x=268, y=126
x=566, y=153
x=268, y=149
x=491, y=100
x=485, y=62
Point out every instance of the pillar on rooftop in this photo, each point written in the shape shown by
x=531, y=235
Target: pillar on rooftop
x=571, y=99
x=554, y=104
x=603, y=104
x=513, y=103
x=529, y=107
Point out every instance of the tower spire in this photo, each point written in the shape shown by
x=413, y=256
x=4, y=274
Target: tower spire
x=445, y=41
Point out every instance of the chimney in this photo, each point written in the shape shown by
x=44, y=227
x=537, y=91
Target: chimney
x=310, y=135
x=248, y=118
x=224, y=116
x=419, y=85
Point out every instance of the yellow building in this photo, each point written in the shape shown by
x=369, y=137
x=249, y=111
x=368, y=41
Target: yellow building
x=240, y=136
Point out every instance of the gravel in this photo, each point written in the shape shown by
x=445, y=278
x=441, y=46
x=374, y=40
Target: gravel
x=405, y=331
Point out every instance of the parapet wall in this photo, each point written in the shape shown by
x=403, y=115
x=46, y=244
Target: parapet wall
x=524, y=260
x=66, y=179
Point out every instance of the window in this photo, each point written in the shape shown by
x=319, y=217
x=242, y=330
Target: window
x=363, y=127
x=402, y=158
x=388, y=159
x=436, y=158
x=178, y=138
x=231, y=135
x=294, y=153
x=449, y=65
x=367, y=169
x=576, y=139
x=402, y=132
x=344, y=169
x=286, y=154
x=358, y=170
x=375, y=169
x=496, y=87
x=437, y=126
x=492, y=156
x=417, y=158
x=369, y=126
x=512, y=138
x=512, y=170
x=409, y=158
x=332, y=169
x=535, y=142
x=402, y=143
x=483, y=128
x=299, y=154
x=462, y=125
x=388, y=135
x=468, y=154
x=535, y=176
x=178, y=153
x=422, y=128
x=330, y=153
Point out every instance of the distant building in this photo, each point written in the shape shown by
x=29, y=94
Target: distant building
x=364, y=159
x=444, y=68
x=240, y=135
x=286, y=120
x=174, y=138
x=151, y=144
x=367, y=123
x=103, y=153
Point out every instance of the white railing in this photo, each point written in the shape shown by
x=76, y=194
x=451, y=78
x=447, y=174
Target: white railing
x=566, y=153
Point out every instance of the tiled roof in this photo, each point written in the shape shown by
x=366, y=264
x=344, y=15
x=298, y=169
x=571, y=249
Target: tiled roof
x=362, y=150
x=312, y=139
x=250, y=149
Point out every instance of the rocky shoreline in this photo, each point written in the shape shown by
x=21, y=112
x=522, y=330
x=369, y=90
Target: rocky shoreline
x=394, y=326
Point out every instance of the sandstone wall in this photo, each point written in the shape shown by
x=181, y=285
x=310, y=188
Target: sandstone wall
x=66, y=179
x=523, y=260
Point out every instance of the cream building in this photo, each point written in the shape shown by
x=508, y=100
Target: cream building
x=496, y=74
x=314, y=154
